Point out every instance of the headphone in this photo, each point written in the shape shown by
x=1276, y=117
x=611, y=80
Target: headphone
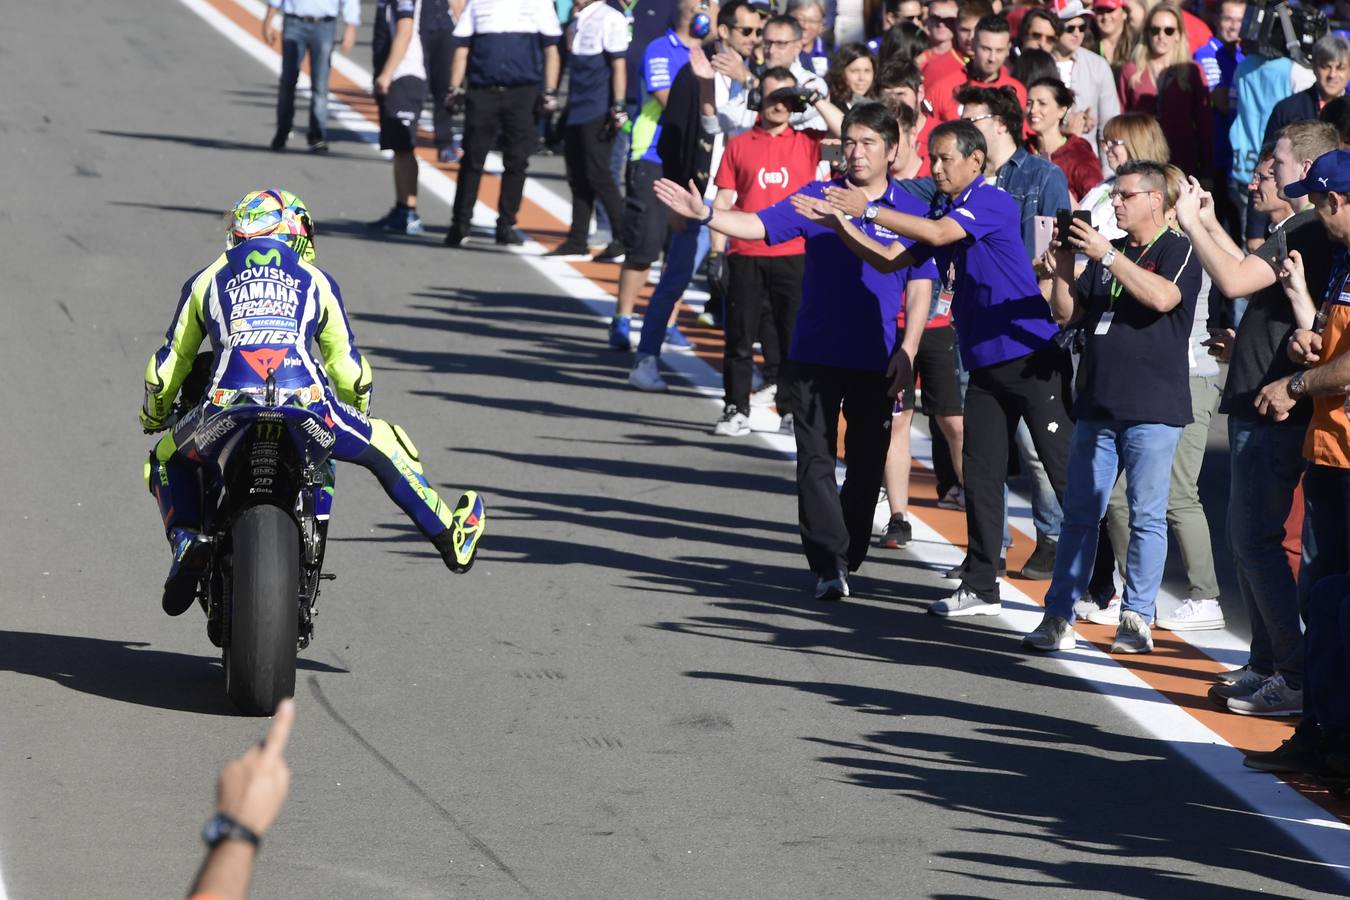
x=701, y=25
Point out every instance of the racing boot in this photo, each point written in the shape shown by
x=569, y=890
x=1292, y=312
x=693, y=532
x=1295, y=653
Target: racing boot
x=191, y=553
x=459, y=543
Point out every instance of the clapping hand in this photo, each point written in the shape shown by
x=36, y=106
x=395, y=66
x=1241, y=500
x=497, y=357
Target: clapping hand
x=729, y=63
x=817, y=210
x=849, y=199
x=699, y=65
x=687, y=203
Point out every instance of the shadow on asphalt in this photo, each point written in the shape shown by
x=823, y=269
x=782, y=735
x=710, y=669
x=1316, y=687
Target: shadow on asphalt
x=261, y=146
x=126, y=671
x=1117, y=802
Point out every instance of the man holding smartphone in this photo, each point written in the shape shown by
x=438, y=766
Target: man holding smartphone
x=1136, y=300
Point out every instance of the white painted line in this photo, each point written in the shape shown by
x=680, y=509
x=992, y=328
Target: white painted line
x=1301, y=818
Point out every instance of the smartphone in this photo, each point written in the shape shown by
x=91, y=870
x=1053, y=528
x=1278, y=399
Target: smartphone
x=832, y=153
x=1064, y=223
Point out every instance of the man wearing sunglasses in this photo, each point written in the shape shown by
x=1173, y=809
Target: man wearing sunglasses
x=1096, y=101
x=893, y=13
x=782, y=40
x=940, y=60
x=1136, y=300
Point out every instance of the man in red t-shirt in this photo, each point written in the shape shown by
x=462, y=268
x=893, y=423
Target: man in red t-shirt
x=759, y=168
x=989, y=51
x=941, y=59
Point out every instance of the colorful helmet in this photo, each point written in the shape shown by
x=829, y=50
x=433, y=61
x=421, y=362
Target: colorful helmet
x=275, y=214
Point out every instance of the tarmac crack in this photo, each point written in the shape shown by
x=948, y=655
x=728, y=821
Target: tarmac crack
x=416, y=788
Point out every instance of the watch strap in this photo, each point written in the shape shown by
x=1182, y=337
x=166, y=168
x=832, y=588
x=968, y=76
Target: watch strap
x=223, y=828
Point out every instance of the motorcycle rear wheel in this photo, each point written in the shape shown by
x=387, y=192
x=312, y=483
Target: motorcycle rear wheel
x=261, y=645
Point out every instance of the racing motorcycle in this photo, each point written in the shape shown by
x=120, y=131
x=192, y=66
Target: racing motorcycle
x=266, y=482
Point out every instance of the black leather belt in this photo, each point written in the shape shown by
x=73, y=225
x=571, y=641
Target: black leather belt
x=312, y=20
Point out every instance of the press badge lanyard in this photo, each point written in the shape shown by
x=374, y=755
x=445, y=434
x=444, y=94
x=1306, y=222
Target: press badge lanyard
x=1104, y=323
x=947, y=287
x=1338, y=294
x=628, y=14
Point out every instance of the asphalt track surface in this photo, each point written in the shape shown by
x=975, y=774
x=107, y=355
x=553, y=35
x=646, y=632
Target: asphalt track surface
x=632, y=695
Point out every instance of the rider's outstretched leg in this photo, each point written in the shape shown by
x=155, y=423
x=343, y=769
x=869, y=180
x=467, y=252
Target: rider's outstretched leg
x=387, y=451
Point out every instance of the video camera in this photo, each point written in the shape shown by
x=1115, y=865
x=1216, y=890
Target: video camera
x=1277, y=29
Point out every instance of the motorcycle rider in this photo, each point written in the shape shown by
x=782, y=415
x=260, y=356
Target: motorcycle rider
x=262, y=303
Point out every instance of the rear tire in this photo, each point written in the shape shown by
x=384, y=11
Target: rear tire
x=261, y=644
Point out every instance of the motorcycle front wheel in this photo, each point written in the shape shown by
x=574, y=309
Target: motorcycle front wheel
x=261, y=645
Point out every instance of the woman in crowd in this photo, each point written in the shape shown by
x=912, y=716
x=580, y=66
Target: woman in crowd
x=1130, y=135
x=1115, y=34
x=1162, y=79
x=1032, y=65
x=902, y=43
x=1048, y=102
x=852, y=76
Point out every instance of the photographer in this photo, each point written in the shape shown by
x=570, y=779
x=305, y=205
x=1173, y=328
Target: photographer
x=763, y=276
x=736, y=112
x=1136, y=299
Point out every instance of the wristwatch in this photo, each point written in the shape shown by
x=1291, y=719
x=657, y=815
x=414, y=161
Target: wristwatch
x=870, y=213
x=1109, y=258
x=1296, y=386
x=222, y=828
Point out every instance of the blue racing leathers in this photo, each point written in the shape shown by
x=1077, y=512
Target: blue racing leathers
x=263, y=308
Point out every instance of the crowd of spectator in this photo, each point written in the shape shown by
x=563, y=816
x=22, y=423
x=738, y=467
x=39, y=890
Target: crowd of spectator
x=1042, y=225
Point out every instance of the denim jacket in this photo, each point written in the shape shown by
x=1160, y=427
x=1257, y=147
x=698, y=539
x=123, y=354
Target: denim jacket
x=1038, y=186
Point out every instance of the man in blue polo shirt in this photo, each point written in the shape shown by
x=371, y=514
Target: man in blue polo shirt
x=844, y=349
x=1006, y=337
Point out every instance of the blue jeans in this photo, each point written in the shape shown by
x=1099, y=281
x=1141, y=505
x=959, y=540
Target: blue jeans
x=684, y=254
x=1095, y=453
x=297, y=39
x=1266, y=460
x=1325, y=699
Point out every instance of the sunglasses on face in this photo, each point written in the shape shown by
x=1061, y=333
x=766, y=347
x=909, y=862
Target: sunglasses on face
x=949, y=24
x=1156, y=30
x=772, y=44
x=1075, y=29
x=748, y=30
x=1130, y=195
x=917, y=18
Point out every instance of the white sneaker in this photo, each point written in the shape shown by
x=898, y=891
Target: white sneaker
x=1272, y=698
x=1194, y=615
x=1053, y=633
x=1132, y=635
x=646, y=374
x=1108, y=616
x=764, y=396
x=965, y=603
x=1083, y=609
x=733, y=423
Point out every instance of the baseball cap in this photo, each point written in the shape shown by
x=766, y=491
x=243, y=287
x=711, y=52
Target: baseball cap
x=1108, y=4
x=1070, y=9
x=1329, y=172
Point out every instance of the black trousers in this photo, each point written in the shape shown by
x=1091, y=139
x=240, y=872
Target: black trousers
x=587, y=156
x=759, y=284
x=836, y=525
x=486, y=111
x=1034, y=388
x=438, y=51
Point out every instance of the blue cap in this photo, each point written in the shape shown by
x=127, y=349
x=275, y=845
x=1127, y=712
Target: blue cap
x=1329, y=172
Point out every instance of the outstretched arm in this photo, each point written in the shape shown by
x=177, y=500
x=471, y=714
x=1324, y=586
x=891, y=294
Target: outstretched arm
x=886, y=259
x=689, y=203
